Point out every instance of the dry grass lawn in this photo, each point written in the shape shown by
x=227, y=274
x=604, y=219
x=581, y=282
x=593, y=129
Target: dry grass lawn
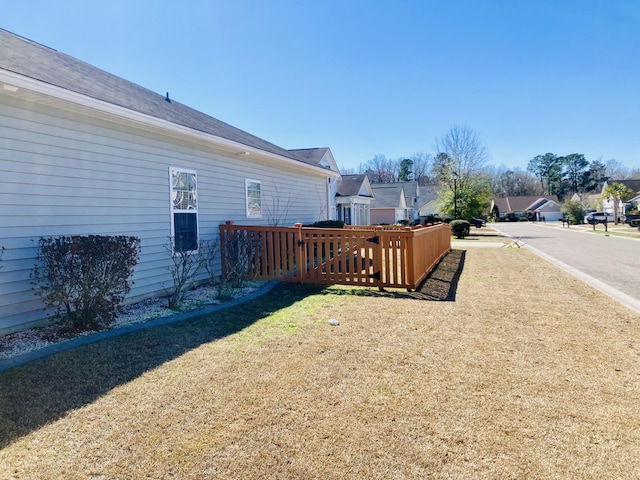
x=519, y=371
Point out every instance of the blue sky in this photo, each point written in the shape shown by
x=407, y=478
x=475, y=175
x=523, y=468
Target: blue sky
x=374, y=77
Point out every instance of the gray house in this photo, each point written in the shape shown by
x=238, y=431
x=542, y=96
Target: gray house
x=540, y=207
x=394, y=202
x=86, y=152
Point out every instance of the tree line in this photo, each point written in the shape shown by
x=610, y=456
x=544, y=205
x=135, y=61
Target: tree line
x=460, y=166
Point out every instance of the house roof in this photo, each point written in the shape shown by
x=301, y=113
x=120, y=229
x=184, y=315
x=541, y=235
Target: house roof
x=634, y=184
x=587, y=199
x=389, y=195
x=519, y=204
x=33, y=60
x=314, y=155
x=427, y=194
x=411, y=192
x=352, y=185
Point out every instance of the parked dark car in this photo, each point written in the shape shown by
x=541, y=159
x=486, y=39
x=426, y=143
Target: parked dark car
x=477, y=222
x=632, y=220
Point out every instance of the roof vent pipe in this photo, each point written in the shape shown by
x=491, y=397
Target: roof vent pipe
x=167, y=98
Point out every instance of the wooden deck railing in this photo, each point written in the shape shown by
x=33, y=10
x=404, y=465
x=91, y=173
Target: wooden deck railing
x=369, y=256
x=381, y=227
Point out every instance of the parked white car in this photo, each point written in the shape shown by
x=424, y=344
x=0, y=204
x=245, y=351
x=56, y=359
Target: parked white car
x=597, y=217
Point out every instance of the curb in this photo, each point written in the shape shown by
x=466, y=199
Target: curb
x=8, y=363
x=611, y=292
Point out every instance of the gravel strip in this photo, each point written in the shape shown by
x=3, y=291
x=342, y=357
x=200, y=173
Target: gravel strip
x=27, y=341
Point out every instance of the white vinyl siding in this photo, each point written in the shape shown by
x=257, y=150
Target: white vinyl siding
x=64, y=173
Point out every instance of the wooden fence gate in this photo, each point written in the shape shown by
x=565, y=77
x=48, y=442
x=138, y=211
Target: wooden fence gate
x=358, y=255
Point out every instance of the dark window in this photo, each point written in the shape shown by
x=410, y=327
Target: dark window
x=185, y=226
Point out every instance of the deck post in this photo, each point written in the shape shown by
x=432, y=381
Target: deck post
x=377, y=259
x=301, y=266
x=409, y=258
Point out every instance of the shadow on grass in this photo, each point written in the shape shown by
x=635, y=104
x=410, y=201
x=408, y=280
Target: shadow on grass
x=440, y=284
x=44, y=390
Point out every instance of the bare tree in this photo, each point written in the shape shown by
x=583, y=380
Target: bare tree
x=278, y=209
x=421, y=167
x=210, y=257
x=459, y=166
x=184, y=268
x=616, y=170
x=464, y=150
x=348, y=171
x=513, y=182
x=380, y=169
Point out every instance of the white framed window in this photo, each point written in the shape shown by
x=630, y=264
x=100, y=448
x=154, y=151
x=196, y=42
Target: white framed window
x=254, y=198
x=184, y=209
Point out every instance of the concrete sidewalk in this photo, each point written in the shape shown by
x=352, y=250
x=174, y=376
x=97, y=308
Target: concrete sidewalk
x=462, y=244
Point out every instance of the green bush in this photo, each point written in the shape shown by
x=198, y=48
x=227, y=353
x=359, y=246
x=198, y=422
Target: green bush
x=327, y=224
x=572, y=211
x=85, y=278
x=460, y=228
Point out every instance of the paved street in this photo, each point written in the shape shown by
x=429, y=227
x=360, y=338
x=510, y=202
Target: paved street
x=608, y=262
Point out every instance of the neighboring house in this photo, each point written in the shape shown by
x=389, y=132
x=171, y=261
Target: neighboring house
x=589, y=201
x=394, y=202
x=547, y=206
x=430, y=209
x=428, y=202
x=353, y=197
x=324, y=158
x=86, y=152
x=633, y=185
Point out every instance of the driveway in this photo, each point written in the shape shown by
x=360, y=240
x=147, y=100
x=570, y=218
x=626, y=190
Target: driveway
x=609, y=263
